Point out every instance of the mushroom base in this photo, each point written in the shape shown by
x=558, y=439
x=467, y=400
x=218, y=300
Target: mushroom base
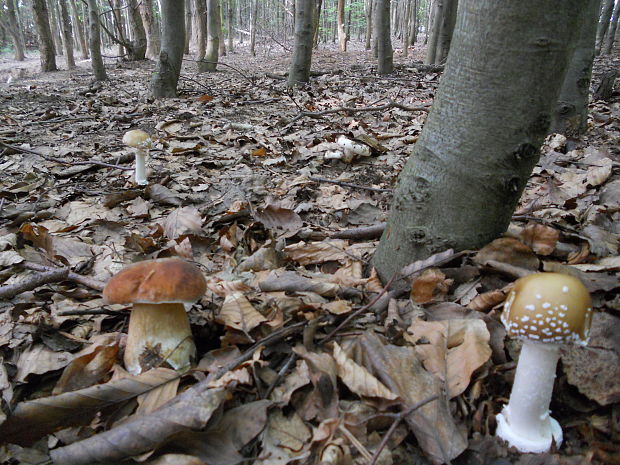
x=525, y=422
x=159, y=334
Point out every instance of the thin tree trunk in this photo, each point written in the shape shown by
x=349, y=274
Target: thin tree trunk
x=406, y=28
x=120, y=26
x=482, y=137
x=188, y=25
x=94, y=41
x=385, y=53
x=254, y=15
x=46, y=44
x=446, y=29
x=571, y=111
x=368, y=5
x=166, y=76
x=603, y=24
x=608, y=43
x=316, y=22
x=12, y=27
x=151, y=26
x=435, y=28
x=213, y=39
x=342, y=36
x=229, y=25
x=54, y=26
x=138, y=41
x=200, y=26
x=67, y=34
x=299, y=72
x=220, y=32
x=79, y=29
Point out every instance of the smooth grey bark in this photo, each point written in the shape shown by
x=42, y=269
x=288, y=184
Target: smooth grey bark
x=119, y=24
x=385, y=53
x=229, y=25
x=482, y=137
x=151, y=26
x=571, y=111
x=603, y=23
x=166, y=76
x=137, y=51
x=188, y=24
x=608, y=42
x=253, y=18
x=299, y=72
x=342, y=35
x=79, y=29
x=11, y=25
x=434, y=25
x=46, y=44
x=94, y=41
x=406, y=28
x=213, y=39
x=220, y=31
x=67, y=34
x=54, y=27
x=200, y=28
x=446, y=29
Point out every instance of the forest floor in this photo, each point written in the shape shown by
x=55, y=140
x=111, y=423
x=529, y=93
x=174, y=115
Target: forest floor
x=303, y=355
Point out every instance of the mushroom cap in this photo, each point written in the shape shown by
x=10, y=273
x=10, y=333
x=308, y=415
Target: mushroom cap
x=165, y=280
x=548, y=307
x=137, y=138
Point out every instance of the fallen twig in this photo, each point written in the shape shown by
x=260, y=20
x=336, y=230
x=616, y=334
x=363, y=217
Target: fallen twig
x=348, y=184
x=32, y=282
x=71, y=276
x=361, y=233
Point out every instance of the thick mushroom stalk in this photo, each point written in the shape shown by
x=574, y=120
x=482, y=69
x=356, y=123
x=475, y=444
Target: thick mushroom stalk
x=525, y=422
x=159, y=334
x=544, y=310
x=140, y=141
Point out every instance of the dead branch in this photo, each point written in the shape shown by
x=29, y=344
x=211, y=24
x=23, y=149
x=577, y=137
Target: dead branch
x=362, y=233
x=387, y=106
x=71, y=276
x=32, y=282
x=348, y=184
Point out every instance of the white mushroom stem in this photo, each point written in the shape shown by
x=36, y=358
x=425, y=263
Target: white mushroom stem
x=158, y=333
x=141, y=166
x=525, y=422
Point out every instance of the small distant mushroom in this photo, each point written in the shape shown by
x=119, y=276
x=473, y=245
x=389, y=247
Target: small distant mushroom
x=159, y=330
x=545, y=310
x=140, y=141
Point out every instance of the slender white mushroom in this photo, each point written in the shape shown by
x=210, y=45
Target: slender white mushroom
x=545, y=310
x=159, y=330
x=140, y=141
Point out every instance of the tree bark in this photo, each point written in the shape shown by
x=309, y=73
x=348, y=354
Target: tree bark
x=200, y=26
x=119, y=23
x=220, y=31
x=213, y=39
x=153, y=38
x=571, y=111
x=435, y=28
x=610, y=37
x=54, y=27
x=67, y=34
x=12, y=27
x=446, y=29
x=299, y=71
x=46, y=44
x=385, y=54
x=406, y=28
x=229, y=25
x=254, y=15
x=188, y=25
x=482, y=137
x=79, y=29
x=603, y=24
x=166, y=76
x=137, y=50
x=94, y=41
x=342, y=35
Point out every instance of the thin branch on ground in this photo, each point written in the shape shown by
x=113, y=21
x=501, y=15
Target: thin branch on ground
x=32, y=282
x=71, y=276
x=348, y=184
x=362, y=233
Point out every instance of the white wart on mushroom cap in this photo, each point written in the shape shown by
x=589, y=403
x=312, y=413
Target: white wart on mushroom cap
x=548, y=307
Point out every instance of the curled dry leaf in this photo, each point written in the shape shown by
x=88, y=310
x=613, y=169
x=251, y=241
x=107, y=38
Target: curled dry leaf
x=358, y=379
x=455, y=349
x=430, y=286
x=510, y=251
x=184, y=220
x=238, y=313
x=33, y=419
x=486, y=301
x=39, y=359
x=284, y=440
x=283, y=221
x=290, y=281
x=541, y=238
x=317, y=252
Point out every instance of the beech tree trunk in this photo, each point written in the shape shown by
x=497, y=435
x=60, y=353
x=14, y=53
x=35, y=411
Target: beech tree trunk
x=482, y=137
x=385, y=54
x=342, y=35
x=166, y=76
x=220, y=31
x=79, y=29
x=46, y=44
x=94, y=41
x=434, y=27
x=213, y=38
x=67, y=34
x=254, y=15
x=446, y=29
x=119, y=24
x=138, y=41
x=12, y=27
x=200, y=29
x=610, y=37
x=571, y=111
x=229, y=25
x=603, y=24
x=299, y=71
x=368, y=5
x=406, y=28
x=151, y=26
x=188, y=25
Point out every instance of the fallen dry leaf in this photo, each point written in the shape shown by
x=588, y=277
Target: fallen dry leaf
x=317, y=252
x=430, y=286
x=237, y=312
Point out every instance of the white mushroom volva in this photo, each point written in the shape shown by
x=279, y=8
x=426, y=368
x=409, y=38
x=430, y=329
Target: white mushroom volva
x=545, y=310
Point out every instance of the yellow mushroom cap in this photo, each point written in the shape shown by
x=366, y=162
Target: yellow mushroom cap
x=548, y=307
x=137, y=138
